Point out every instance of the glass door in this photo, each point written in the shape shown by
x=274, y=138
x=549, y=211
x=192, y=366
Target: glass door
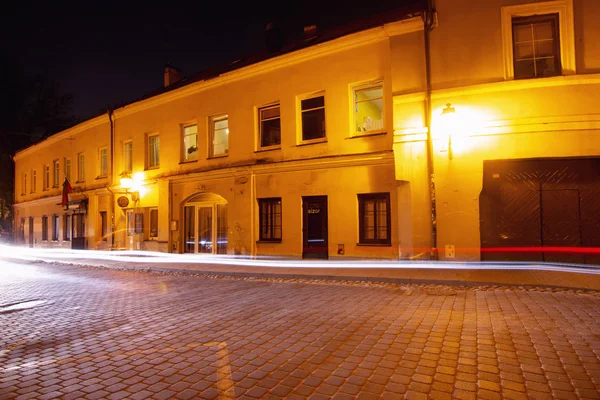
x=189, y=233
x=205, y=230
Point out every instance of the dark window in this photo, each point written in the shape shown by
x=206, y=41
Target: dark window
x=103, y=225
x=153, y=223
x=374, y=218
x=536, y=47
x=44, y=228
x=55, y=227
x=66, y=227
x=270, y=126
x=313, y=118
x=270, y=219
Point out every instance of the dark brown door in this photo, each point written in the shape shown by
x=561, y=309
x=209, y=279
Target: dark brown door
x=314, y=227
x=561, y=224
x=30, y=231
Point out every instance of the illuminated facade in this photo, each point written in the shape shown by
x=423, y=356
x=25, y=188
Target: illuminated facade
x=323, y=151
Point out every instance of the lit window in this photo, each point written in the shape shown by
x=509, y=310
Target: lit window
x=103, y=154
x=190, y=143
x=56, y=176
x=55, y=227
x=313, y=118
x=127, y=156
x=536, y=46
x=103, y=226
x=270, y=219
x=46, y=176
x=374, y=218
x=153, y=223
x=68, y=168
x=219, y=136
x=270, y=125
x=80, y=167
x=66, y=227
x=368, y=108
x=33, y=181
x=24, y=189
x=153, y=151
x=44, y=228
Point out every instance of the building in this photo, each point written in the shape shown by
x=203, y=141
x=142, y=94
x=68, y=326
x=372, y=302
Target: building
x=326, y=147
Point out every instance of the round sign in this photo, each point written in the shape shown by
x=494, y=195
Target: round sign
x=123, y=201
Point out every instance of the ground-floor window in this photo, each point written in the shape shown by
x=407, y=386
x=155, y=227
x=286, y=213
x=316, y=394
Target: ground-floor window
x=79, y=226
x=55, y=227
x=153, y=223
x=374, y=218
x=44, y=227
x=270, y=219
x=103, y=225
x=66, y=227
x=130, y=223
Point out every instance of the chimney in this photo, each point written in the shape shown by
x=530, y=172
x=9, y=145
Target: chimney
x=273, y=38
x=172, y=75
x=310, y=32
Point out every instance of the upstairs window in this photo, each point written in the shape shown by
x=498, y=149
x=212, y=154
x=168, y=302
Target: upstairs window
x=153, y=155
x=24, y=187
x=80, y=167
x=269, y=126
x=368, y=108
x=68, y=168
x=313, y=118
x=270, y=219
x=374, y=218
x=33, y=181
x=46, y=176
x=219, y=136
x=103, y=156
x=190, y=143
x=56, y=176
x=536, y=46
x=127, y=156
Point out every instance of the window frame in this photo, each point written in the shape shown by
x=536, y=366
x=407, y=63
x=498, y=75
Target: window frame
x=68, y=168
x=103, y=226
x=212, y=120
x=67, y=227
x=184, y=151
x=151, y=236
x=259, y=110
x=103, y=162
x=301, y=140
x=24, y=183
x=44, y=228
x=361, y=214
x=128, y=156
x=46, y=182
x=362, y=86
x=150, y=136
x=33, y=181
x=55, y=173
x=81, y=167
x=566, y=32
x=55, y=228
x=270, y=215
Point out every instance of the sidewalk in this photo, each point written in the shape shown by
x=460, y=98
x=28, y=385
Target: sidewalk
x=451, y=273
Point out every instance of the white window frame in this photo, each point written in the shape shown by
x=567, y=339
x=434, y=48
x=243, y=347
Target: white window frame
x=55, y=228
x=46, y=177
x=128, y=156
x=148, y=151
x=81, y=167
x=361, y=86
x=300, y=136
x=56, y=173
x=24, y=183
x=564, y=9
x=103, y=162
x=260, y=130
x=184, y=151
x=68, y=168
x=211, y=134
x=33, y=181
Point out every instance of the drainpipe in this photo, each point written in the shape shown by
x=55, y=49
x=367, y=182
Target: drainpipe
x=110, y=113
x=429, y=19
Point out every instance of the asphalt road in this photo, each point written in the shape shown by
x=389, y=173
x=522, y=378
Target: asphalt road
x=70, y=332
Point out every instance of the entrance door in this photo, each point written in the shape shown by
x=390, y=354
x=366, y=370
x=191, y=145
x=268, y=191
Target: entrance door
x=30, y=231
x=314, y=227
x=561, y=224
x=205, y=228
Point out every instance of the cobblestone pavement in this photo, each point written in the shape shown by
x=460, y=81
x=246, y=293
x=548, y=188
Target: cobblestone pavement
x=69, y=332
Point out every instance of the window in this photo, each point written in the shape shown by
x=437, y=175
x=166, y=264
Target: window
x=538, y=39
x=270, y=219
x=56, y=169
x=313, y=118
x=80, y=167
x=24, y=188
x=46, y=176
x=153, y=223
x=103, y=155
x=536, y=48
x=103, y=226
x=68, y=168
x=368, y=108
x=153, y=151
x=270, y=126
x=127, y=156
x=219, y=136
x=44, y=228
x=33, y=181
x=130, y=223
x=190, y=143
x=374, y=218
x=66, y=227
x=55, y=227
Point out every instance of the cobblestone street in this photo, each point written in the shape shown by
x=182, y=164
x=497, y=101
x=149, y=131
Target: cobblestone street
x=69, y=332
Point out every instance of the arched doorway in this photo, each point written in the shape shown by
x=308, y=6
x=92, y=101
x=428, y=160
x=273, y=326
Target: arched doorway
x=205, y=224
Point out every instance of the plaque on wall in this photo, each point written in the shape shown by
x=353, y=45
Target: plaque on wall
x=123, y=201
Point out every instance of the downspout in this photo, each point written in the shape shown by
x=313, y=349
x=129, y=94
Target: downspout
x=110, y=113
x=429, y=20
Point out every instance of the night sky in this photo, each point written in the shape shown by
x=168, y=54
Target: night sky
x=107, y=53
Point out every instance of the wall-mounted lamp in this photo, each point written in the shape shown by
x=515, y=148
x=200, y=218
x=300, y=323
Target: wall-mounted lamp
x=449, y=120
x=127, y=184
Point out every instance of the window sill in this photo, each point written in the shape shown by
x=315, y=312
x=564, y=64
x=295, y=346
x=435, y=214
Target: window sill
x=374, y=244
x=270, y=148
x=367, y=134
x=218, y=156
x=151, y=168
x=80, y=182
x=275, y=241
x=100, y=177
x=312, y=141
x=188, y=161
